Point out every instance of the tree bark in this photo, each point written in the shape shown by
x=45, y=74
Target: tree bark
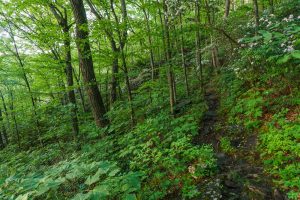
x=21, y=63
x=170, y=73
x=256, y=13
x=13, y=116
x=271, y=4
x=4, y=132
x=62, y=19
x=183, y=58
x=81, y=93
x=6, y=117
x=198, y=42
x=122, y=36
x=115, y=72
x=150, y=44
x=227, y=8
x=86, y=63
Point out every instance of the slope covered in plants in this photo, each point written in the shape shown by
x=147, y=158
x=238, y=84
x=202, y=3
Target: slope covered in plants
x=144, y=99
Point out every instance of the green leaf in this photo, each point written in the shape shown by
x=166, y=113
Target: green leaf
x=92, y=179
x=114, y=172
x=284, y=59
x=296, y=54
x=130, y=197
x=104, y=167
x=267, y=35
x=23, y=197
x=101, y=191
x=81, y=196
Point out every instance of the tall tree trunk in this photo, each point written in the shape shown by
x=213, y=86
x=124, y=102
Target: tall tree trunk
x=6, y=115
x=86, y=60
x=171, y=81
x=115, y=72
x=5, y=110
x=256, y=14
x=70, y=83
x=150, y=44
x=115, y=51
x=2, y=143
x=4, y=132
x=81, y=93
x=198, y=42
x=183, y=58
x=123, y=41
x=163, y=32
x=122, y=36
x=18, y=57
x=62, y=20
x=214, y=49
x=271, y=4
x=13, y=116
x=227, y=8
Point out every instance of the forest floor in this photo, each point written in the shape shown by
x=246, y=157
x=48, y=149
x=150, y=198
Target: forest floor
x=240, y=173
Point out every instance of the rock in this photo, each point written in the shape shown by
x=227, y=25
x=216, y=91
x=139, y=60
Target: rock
x=230, y=184
x=277, y=195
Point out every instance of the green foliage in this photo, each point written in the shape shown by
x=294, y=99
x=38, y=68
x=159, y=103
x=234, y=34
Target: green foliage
x=260, y=90
x=162, y=148
x=226, y=146
x=89, y=179
x=248, y=110
x=281, y=151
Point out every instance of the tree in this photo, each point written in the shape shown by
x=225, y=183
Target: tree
x=227, y=8
x=170, y=73
x=256, y=12
x=86, y=63
x=62, y=20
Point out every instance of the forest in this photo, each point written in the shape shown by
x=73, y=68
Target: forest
x=149, y=99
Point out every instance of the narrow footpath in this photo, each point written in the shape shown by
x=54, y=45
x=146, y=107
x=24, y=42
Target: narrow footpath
x=240, y=173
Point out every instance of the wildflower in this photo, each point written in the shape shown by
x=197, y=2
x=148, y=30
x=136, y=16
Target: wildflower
x=272, y=15
x=291, y=16
x=298, y=17
x=269, y=24
x=285, y=19
x=282, y=45
x=192, y=169
x=289, y=48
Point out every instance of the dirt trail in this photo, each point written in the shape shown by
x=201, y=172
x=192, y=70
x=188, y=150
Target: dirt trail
x=240, y=175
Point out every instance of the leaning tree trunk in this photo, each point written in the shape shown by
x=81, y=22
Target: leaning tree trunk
x=87, y=66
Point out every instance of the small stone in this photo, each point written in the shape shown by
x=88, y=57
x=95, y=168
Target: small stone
x=277, y=195
x=230, y=184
